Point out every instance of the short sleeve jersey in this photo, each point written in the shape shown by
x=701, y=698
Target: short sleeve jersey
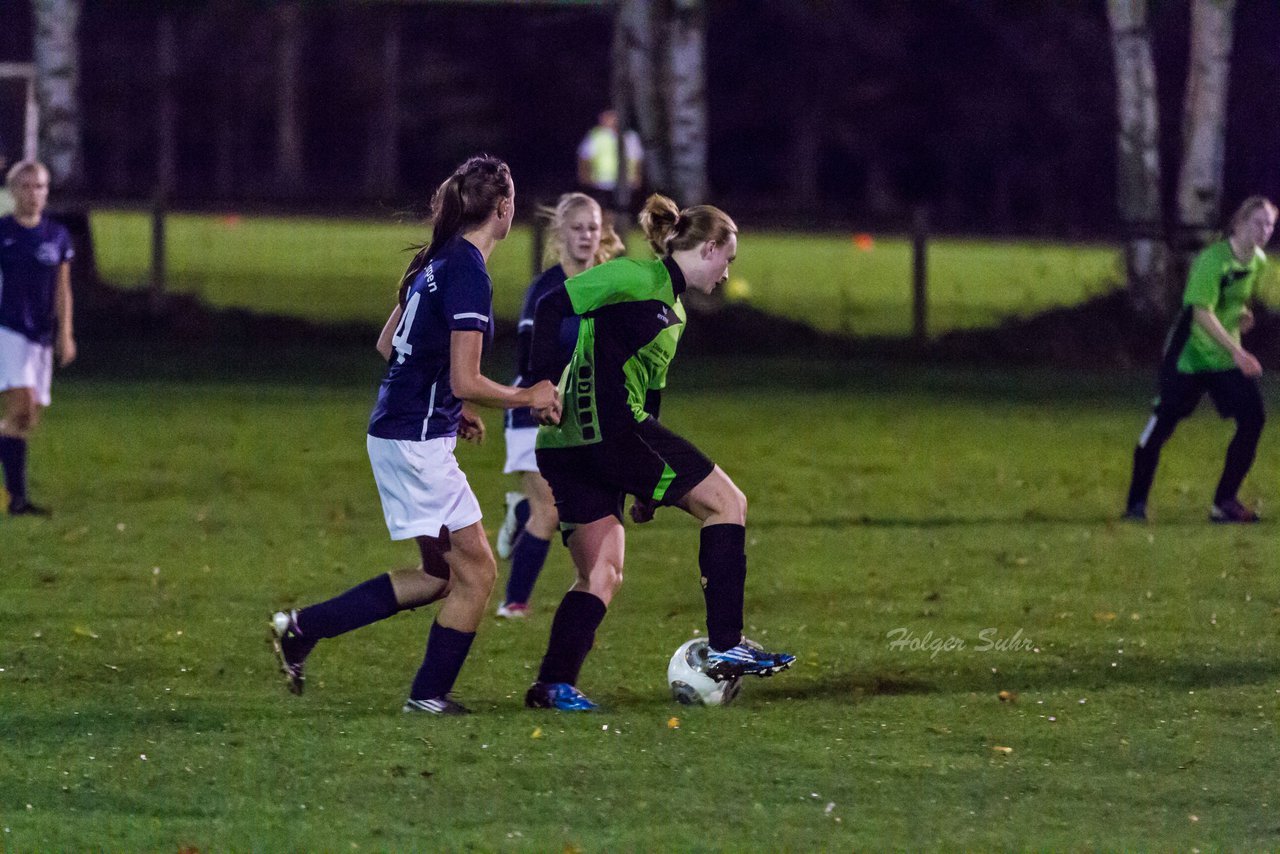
x=29, y=262
x=632, y=319
x=1224, y=285
x=453, y=292
x=549, y=280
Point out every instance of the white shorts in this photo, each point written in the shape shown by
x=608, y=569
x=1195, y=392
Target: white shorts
x=520, y=456
x=421, y=487
x=25, y=364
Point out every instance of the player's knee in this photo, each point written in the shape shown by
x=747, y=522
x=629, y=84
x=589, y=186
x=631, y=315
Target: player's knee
x=543, y=519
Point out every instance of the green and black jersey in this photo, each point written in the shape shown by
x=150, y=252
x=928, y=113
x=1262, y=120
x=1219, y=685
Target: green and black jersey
x=632, y=319
x=1224, y=285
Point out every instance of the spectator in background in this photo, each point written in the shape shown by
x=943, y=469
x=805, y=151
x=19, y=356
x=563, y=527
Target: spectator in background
x=6, y=198
x=35, y=320
x=600, y=157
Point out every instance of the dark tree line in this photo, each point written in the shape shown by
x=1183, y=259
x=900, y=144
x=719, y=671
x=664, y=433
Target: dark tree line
x=998, y=114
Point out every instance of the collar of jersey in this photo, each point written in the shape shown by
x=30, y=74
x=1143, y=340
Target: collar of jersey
x=678, y=284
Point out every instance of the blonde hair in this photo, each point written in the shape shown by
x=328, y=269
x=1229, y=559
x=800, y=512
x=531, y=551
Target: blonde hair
x=610, y=244
x=1246, y=209
x=22, y=167
x=669, y=229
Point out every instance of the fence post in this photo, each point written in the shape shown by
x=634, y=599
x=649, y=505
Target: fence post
x=920, y=275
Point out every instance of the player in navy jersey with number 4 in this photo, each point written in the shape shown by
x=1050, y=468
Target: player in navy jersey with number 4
x=579, y=241
x=35, y=320
x=432, y=342
x=608, y=444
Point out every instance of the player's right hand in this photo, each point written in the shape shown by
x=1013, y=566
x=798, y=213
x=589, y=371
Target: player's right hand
x=544, y=395
x=1248, y=364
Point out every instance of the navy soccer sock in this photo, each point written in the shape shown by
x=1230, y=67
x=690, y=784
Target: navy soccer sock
x=573, y=633
x=13, y=457
x=363, y=604
x=446, y=652
x=527, y=558
x=722, y=557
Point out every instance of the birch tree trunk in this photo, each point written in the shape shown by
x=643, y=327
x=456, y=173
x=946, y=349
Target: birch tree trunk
x=57, y=60
x=1204, y=124
x=1138, y=158
x=638, y=98
x=687, y=101
x=289, y=169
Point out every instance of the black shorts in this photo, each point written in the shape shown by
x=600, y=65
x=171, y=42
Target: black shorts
x=1233, y=394
x=650, y=462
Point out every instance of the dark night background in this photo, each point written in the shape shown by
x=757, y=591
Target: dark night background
x=997, y=113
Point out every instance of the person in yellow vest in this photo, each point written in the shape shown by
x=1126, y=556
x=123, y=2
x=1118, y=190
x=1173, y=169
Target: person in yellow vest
x=600, y=156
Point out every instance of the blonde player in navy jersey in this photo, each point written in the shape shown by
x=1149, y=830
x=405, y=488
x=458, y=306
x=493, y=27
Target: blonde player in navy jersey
x=432, y=342
x=35, y=320
x=579, y=240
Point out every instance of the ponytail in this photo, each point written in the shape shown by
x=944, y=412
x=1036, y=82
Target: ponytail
x=464, y=199
x=669, y=229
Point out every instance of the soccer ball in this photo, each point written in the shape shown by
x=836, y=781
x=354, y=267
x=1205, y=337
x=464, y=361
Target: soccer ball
x=690, y=684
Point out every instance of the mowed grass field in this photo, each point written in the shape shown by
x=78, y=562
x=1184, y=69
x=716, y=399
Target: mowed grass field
x=328, y=269
x=967, y=515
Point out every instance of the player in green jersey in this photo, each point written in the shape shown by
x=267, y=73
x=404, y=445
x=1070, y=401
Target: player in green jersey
x=610, y=444
x=1204, y=354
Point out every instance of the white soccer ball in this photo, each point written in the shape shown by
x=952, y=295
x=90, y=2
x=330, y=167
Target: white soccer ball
x=690, y=684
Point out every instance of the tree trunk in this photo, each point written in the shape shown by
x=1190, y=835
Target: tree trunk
x=289, y=169
x=1138, y=160
x=1204, y=124
x=637, y=64
x=687, y=101
x=382, y=162
x=57, y=60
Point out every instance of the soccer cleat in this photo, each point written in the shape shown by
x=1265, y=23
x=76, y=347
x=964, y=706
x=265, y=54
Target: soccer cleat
x=513, y=610
x=26, y=508
x=1135, y=513
x=557, y=695
x=748, y=658
x=291, y=648
x=511, y=526
x=1232, y=512
x=436, y=706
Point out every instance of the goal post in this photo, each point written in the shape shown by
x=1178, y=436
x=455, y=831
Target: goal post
x=26, y=73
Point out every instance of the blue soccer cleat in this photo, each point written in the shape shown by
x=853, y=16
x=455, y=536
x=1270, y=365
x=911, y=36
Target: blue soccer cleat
x=748, y=658
x=557, y=695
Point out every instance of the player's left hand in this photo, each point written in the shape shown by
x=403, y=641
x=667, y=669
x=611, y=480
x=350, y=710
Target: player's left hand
x=470, y=425
x=66, y=348
x=642, y=510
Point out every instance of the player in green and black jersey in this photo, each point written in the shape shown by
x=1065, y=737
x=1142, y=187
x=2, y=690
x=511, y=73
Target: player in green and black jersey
x=1204, y=354
x=610, y=444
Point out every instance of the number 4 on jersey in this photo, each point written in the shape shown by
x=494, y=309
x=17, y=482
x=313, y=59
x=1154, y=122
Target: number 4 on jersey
x=400, y=341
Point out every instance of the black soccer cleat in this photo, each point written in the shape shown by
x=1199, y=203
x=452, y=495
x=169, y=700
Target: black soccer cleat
x=1232, y=512
x=24, y=507
x=1136, y=512
x=436, y=706
x=291, y=648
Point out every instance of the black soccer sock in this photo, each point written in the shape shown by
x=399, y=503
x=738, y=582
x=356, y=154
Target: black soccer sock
x=527, y=558
x=722, y=557
x=13, y=457
x=573, y=632
x=1240, y=454
x=1146, y=456
x=446, y=652
x=363, y=604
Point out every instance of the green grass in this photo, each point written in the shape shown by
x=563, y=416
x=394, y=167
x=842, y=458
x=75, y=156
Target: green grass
x=331, y=269
x=196, y=491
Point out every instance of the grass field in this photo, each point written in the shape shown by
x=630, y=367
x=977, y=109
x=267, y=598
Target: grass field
x=196, y=491
x=347, y=270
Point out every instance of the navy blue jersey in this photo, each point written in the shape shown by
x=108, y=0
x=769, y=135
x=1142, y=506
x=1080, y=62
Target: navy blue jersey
x=29, y=261
x=549, y=280
x=453, y=292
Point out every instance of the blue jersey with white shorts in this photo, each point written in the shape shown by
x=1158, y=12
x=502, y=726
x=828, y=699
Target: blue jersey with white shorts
x=547, y=281
x=453, y=292
x=29, y=262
